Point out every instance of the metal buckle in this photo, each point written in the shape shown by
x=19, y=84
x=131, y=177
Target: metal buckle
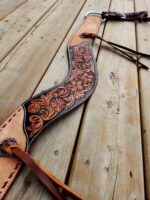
x=93, y=13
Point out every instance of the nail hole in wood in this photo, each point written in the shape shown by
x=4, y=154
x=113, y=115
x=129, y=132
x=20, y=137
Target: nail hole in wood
x=56, y=152
x=131, y=175
x=87, y=162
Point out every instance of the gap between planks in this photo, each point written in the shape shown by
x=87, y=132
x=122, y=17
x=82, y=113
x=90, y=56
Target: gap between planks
x=13, y=30
x=23, y=62
x=143, y=39
x=108, y=161
x=9, y=6
x=101, y=32
x=58, y=49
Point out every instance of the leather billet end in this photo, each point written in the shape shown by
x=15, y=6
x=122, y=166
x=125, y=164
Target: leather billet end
x=91, y=24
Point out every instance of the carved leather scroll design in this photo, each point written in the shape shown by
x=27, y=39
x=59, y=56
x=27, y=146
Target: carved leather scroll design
x=57, y=101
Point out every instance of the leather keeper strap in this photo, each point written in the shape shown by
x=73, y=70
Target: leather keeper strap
x=133, y=16
x=43, y=175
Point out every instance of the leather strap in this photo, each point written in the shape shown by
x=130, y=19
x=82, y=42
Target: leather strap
x=47, y=178
x=38, y=171
x=119, y=48
x=133, y=16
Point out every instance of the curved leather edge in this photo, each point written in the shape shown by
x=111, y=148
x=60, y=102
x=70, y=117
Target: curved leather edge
x=48, y=106
x=51, y=105
x=9, y=166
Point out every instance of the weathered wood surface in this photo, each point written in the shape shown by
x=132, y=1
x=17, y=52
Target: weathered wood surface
x=96, y=149
x=143, y=42
x=16, y=25
x=8, y=6
x=108, y=160
x=31, y=57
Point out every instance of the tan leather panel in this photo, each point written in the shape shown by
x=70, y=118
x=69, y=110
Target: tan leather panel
x=90, y=25
x=11, y=128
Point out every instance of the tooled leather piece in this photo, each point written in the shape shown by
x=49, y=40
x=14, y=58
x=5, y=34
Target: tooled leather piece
x=133, y=16
x=78, y=86
x=52, y=104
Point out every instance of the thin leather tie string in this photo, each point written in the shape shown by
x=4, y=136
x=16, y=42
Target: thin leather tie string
x=120, y=48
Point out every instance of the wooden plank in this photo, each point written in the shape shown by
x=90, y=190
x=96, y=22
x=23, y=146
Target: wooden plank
x=16, y=25
x=30, y=59
x=8, y=6
x=143, y=42
x=108, y=161
x=54, y=148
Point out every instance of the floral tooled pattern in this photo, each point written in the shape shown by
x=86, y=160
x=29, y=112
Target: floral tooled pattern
x=52, y=103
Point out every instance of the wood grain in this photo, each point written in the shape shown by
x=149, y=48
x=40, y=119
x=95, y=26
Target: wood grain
x=54, y=148
x=16, y=25
x=108, y=160
x=143, y=42
x=97, y=148
x=8, y=6
x=25, y=65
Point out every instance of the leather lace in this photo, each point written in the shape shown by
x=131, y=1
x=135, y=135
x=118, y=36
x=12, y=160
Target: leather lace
x=120, y=48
